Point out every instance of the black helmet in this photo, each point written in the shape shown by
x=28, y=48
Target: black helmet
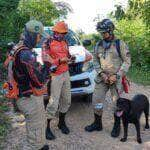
x=106, y=25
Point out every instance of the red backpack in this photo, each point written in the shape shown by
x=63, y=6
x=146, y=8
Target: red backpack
x=10, y=88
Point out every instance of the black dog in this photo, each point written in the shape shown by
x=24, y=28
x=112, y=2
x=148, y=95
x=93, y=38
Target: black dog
x=130, y=112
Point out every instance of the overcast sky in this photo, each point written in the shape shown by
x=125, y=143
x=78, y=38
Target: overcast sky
x=86, y=10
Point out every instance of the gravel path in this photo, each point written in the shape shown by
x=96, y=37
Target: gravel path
x=79, y=116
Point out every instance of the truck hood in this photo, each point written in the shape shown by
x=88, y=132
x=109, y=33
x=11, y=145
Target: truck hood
x=78, y=52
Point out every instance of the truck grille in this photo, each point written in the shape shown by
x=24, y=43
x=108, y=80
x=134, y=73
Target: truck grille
x=75, y=68
x=80, y=83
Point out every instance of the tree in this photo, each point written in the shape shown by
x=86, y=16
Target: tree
x=14, y=14
x=137, y=9
x=146, y=13
x=43, y=10
x=7, y=9
x=137, y=37
x=63, y=8
x=119, y=13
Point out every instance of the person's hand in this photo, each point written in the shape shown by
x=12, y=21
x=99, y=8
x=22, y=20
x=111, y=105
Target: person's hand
x=64, y=60
x=104, y=77
x=112, y=79
x=46, y=43
x=47, y=58
x=72, y=59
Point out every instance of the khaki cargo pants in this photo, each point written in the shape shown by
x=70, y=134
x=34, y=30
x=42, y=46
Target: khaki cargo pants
x=100, y=92
x=60, y=99
x=33, y=110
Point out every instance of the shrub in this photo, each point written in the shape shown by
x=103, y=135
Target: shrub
x=137, y=36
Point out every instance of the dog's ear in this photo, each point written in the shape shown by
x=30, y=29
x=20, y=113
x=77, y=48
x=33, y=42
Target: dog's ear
x=119, y=99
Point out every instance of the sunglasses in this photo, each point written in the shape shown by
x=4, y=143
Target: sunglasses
x=60, y=33
x=103, y=32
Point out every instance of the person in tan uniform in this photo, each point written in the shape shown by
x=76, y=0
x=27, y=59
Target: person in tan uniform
x=59, y=88
x=114, y=59
x=31, y=79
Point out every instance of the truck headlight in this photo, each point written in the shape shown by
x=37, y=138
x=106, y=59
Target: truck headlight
x=88, y=66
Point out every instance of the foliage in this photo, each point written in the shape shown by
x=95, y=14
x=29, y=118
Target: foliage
x=146, y=13
x=63, y=8
x=119, y=13
x=137, y=75
x=14, y=14
x=137, y=9
x=137, y=36
x=7, y=9
x=93, y=37
x=44, y=10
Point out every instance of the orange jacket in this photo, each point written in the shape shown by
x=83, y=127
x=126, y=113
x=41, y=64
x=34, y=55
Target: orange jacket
x=58, y=50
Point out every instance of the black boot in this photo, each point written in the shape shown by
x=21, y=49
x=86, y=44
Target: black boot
x=45, y=147
x=116, y=128
x=49, y=134
x=62, y=125
x=96, y=125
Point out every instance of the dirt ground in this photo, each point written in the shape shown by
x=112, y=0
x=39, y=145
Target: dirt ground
x=80, y=115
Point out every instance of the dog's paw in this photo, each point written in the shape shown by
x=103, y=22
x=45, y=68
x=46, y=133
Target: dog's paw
x=123, y=140
x=139, y=140
x=147, y=126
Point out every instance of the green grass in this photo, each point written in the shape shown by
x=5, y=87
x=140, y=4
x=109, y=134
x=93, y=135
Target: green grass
x=138, y=75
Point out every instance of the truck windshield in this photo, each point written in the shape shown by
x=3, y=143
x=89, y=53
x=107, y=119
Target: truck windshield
x=70, y=37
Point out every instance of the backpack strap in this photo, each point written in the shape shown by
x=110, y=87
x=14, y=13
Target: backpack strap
x=117, y=41
x=46, y=43
x=100, y=43
x=13, y=55
x=19, y=49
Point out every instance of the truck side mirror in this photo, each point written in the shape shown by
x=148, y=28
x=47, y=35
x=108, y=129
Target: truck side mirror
x=86, y=42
